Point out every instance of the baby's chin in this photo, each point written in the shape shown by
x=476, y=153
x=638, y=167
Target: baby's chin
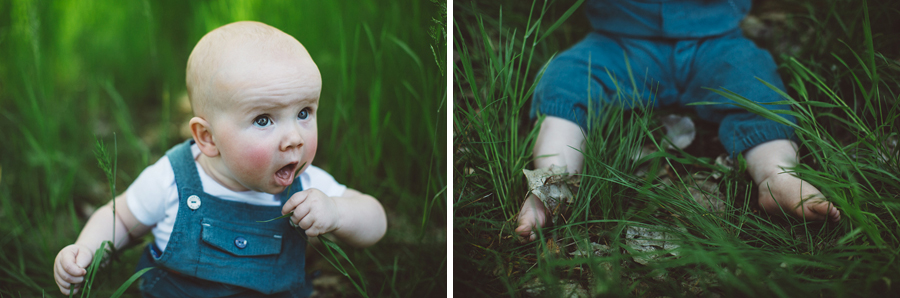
x=275, y=189
x=270, y=188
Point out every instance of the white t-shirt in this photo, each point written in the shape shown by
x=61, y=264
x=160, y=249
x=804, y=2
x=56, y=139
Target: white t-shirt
x=153, y=197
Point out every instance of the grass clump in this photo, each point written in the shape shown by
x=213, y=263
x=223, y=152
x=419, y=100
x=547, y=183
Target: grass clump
x=845, y=100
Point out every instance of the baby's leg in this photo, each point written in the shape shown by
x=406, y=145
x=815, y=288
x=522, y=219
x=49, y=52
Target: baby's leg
x=592, y=73
x=558, y=143
x=735, y=63
x=782, y=192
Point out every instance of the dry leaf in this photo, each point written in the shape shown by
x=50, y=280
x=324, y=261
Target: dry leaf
x=550, y=185
x=552, y=250
x=706, y=193
x=709, y=200
x=570, y=289
x=654, y=243
x=595, y=250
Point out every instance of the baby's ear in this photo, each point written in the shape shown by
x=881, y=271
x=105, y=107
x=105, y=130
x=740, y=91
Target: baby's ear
x=200, y=129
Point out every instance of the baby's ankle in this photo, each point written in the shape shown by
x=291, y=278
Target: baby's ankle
x=768, y=160
x=768, y=173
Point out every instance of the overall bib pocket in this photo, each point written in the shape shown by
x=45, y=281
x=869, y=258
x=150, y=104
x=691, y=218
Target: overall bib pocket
x=243, y=247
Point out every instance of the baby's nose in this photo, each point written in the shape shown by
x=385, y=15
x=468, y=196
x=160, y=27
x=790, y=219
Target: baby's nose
x=292, y=138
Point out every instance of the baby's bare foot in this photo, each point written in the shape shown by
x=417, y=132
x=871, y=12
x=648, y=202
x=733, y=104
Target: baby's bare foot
x=533, y=215
x=785, y=193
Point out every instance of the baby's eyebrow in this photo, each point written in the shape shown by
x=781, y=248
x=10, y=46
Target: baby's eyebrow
x=309, y=101
x=265, y=105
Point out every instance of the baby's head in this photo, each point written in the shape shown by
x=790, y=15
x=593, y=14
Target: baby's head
x=255, y=95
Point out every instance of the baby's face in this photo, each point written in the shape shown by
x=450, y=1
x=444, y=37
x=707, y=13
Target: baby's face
x=266, y=128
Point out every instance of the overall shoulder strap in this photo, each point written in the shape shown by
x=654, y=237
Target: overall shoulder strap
x=183, y=166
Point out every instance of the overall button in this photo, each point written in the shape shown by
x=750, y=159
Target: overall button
x=193, y=202
x=240, y=242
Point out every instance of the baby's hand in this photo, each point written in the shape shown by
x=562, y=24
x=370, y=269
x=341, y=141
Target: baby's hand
x=69, y=267
x=314, y=212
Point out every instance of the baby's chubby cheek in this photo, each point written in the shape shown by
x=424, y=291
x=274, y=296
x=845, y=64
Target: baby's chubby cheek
x=310, y=148
x=254, y=159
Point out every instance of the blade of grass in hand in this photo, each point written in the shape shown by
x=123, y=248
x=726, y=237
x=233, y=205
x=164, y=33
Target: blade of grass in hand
x=92, y=269
x=277, y=218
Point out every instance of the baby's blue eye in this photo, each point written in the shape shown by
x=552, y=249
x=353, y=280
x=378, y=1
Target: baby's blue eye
x=303, y=114
x=262, y=121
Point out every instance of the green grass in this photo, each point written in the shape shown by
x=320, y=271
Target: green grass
x=840, y=64
x=72, y=71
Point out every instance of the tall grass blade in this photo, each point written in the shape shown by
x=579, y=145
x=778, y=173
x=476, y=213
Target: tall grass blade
x=93, y=268
x=331, y=247
x=128, y=282
x=559, y=21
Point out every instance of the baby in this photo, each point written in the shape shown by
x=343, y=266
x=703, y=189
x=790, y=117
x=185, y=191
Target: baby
x=681, y=47
x=255, y=92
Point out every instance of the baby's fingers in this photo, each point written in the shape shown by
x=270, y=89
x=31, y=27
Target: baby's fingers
x=65, y=281
x=300, y=213
x=69, y=267
x=295, y=200
x=65, y=287
x=69, y=263
x=83, y=258
x=309, y=224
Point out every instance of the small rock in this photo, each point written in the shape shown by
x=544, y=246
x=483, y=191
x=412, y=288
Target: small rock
x=680, y=131
x=642, y=151
x=725, y=162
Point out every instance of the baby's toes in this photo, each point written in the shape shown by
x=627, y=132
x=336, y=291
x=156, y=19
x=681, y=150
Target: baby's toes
x=525, y=234
x=833, y=214
x=525, y=227
x=821, y=211
x=528, y=222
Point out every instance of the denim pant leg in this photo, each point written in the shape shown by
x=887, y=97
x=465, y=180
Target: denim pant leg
x=594, y=72
x=734, y=62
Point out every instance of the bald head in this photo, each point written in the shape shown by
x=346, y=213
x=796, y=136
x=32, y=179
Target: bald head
x=227, y=56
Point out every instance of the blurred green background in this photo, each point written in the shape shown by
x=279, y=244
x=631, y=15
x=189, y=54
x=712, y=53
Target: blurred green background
x=73, y=70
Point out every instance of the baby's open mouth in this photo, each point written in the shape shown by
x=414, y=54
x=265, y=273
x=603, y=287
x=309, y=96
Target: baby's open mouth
x=285, y=175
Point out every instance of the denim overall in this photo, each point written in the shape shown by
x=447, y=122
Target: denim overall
x=674, y=50
x=218, y=249
x=667, y=18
